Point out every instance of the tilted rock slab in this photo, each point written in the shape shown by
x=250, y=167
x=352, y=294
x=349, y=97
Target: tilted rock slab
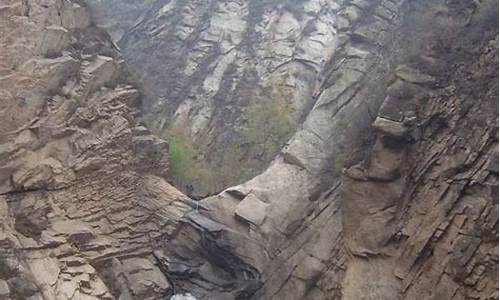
x=352, y=208
x=83, y=199
x=409, y=212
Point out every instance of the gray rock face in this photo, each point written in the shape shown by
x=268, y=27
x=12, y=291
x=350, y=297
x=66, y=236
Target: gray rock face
x=386, y=188
x=232, y=79
x=380, y=223
x=82, y=193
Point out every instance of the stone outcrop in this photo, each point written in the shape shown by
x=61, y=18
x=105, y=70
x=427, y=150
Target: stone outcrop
x=83, y=199
x=231, y=79
x=408, y=209
x=386, y=189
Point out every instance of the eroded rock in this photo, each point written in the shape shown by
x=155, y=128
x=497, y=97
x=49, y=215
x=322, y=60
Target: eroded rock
x=252, y=209
x=405, y=211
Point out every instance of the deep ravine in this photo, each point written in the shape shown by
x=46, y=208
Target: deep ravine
x=355, y=144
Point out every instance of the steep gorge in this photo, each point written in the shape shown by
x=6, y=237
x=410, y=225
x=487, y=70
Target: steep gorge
x=386, y=186
x=235, y=78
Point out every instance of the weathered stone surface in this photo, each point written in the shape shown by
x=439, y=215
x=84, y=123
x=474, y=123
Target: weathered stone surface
x=400, y=222
x=56, y=39
x=344, y=212
x=397, y=129
x=83, y=195
x=413, y=75
x=183, y=297
x=234, y=78
x=252, y=209
x=4, y=288
x=75, y=16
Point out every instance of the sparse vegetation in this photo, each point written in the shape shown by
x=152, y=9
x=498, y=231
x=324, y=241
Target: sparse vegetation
x=338, y=164
x=270, y=119
x=182, y=153
x=187, y=165
x=269, y=124
x=191, y=170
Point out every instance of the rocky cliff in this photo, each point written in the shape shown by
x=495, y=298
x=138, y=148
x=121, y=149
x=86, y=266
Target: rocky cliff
x=407, y=122
x=386, y=187
x=82, y=196
x=231, y=80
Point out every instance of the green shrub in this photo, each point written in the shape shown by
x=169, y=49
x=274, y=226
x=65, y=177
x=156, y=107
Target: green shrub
x=187, y=165
x=181, y=153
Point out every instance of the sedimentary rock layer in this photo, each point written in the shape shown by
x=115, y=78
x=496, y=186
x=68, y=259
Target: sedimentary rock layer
x=407, y=120
x=386, y=189
x=231, y=79
x=83, y=199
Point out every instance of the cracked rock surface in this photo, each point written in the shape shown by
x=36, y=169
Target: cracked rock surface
x=234, y=78
x=83, y=199
x=386, y=188
x=387, y=191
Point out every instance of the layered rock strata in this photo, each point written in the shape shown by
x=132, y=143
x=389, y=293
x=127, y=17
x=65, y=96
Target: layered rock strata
x=232, y=80
x=387, y=189
x=412, y=212
x=83, y=199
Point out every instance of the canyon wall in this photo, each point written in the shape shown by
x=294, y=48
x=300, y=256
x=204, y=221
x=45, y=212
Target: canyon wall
x=231, y=81
x=407, y=123
x=386, y=186
x=83, y=199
